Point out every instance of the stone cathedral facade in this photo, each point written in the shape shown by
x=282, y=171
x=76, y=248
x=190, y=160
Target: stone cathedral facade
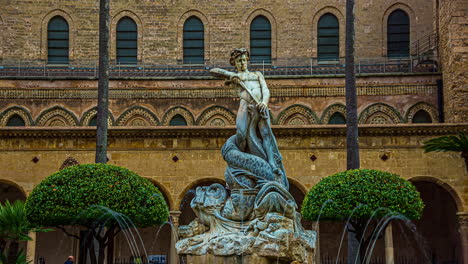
x=169, y=118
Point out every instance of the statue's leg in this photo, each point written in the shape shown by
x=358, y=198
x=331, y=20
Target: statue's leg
x=242, y=125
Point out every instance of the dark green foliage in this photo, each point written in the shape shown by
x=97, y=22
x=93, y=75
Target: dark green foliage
x=372, y=188
x=447, y=143
x=77, y=195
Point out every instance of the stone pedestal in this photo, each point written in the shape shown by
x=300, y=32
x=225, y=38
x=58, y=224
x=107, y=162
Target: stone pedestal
x=249, y=259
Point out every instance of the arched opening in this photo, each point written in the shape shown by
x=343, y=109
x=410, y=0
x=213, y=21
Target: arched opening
x=260, y=40
x=178, y=120
x=436, y=239
x=15, y=120
x=299, y=195
x=127, y=41
x=337, y=119
x=157, y=240
x=398, y=34
x=328, y=38
x=422, y=116
x=58, y=41
x=11, y=193
x=93, y=121
x=194, y=41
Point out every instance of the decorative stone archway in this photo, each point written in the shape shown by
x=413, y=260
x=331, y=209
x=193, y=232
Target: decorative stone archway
x=216, y=116
x=16, y=110
x=297, y=115
x=178, y=110
x=56, y=116
x=379, y=113
x=138, y=116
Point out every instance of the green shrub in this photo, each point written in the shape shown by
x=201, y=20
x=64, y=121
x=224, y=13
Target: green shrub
x=77, y=195
x=372, y=188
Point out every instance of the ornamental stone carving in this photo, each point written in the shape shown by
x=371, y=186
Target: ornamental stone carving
x=70, y=161
x=430, y=109
x=218, y=113
x=297, y=115
x=178, y=110
x=16, y=110
x=329, y=111
x=137, y=116
x=56, y=116
x=90, y=114
x=379, y=114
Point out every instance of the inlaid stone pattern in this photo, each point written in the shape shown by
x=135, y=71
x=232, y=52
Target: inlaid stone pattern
x=379, y=114
x=15, y=111
x=216, y=116
x=137, y=116
x=56, y=117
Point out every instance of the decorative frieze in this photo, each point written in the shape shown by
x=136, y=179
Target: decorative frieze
x=217, y=92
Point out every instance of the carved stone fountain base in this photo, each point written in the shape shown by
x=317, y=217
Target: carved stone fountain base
x=210, y=259
x=271, y=240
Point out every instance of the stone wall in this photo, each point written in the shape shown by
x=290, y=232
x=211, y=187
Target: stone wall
x=29, y=155
x=294, y=26
x=453, y=32
x=386, y=99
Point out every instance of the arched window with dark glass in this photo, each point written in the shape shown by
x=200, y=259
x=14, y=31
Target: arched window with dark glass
x=260, y=40
x=337, y=119
x=328, y=39
x=127, y=41
x=57, y=41
x=15, y=120
x=422, y=116
x=178, y=120
x=398, y=34
x=194, y=41
x=93, y=121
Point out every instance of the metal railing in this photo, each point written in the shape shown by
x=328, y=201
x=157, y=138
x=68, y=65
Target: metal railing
x=427, y=45
x=89, y=69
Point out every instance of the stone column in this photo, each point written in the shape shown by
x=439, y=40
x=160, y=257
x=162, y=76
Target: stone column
x=31, y=248
x=389, y=250
x=463, y=225
x=174, y=215
x=173, y=256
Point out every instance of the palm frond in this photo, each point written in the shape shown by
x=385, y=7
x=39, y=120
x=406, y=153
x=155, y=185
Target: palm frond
x=447, y=143
x=13, y=222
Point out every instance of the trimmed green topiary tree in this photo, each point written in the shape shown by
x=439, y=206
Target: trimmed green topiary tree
x=93, y=196
x=359, y=194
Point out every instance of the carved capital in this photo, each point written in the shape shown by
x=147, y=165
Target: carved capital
x=174, y=215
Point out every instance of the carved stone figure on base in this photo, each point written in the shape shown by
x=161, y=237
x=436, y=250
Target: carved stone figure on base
x=259, y=218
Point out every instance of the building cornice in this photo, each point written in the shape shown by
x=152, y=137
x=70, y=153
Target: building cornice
x=202, y=131
x=216, y=92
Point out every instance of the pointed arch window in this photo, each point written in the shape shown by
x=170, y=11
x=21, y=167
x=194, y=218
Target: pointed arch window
x=422, y=117
x=58, y=41
x=328, y=39
x=178, y=120
x=398, y=34
x=337, y=119
x=194, y=41
x=15, y=120
x=127, y=41
x=260, y=40
x=93, y=121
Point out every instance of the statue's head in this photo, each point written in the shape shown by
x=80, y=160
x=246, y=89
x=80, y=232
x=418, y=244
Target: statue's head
x=236, y=53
